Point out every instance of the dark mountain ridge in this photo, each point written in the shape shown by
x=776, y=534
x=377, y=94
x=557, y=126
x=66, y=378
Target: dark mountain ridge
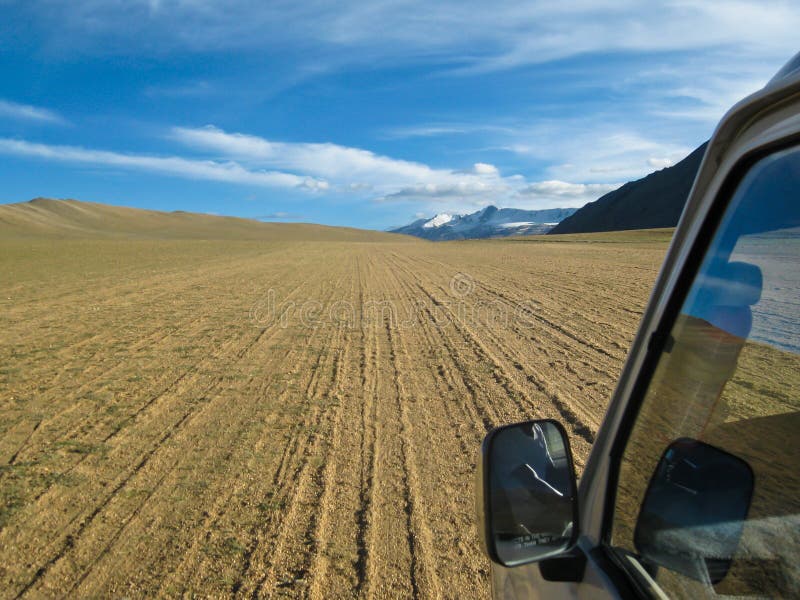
x=654, y=201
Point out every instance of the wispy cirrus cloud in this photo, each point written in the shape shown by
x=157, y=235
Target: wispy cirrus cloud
x=189, y=89
x=582, y=152
x=468, y=35
x=322, y=159
x=706, y=54
x=228, y=171
x=26, y=112
x=428, y=130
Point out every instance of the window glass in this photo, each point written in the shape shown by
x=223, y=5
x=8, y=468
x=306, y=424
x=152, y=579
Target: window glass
x=729, y=376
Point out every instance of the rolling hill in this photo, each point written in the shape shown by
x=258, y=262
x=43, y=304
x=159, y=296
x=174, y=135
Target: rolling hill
x=655, y=201
x=48, y=218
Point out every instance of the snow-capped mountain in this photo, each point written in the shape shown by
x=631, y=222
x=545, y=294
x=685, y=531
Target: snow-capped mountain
x=438, y=221
x=487, y=222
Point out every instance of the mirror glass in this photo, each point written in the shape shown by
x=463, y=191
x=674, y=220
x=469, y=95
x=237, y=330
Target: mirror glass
x=531, y=491
x=694, y=509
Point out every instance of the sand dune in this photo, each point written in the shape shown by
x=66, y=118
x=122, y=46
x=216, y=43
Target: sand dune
x=71, y=219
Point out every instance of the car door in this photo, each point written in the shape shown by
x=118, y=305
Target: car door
x=727, y=379
x=713, y=380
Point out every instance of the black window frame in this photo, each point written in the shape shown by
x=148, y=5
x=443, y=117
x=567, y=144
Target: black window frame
x=658, y=339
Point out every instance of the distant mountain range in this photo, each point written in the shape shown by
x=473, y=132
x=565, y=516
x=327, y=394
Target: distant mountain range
x=656, y=200
x=485, y=223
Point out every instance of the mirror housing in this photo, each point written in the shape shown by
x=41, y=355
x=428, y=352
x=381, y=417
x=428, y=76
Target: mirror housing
x=694, y=509
x=526, y=495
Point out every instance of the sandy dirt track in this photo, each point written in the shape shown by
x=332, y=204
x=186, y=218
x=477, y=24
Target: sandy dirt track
x=246, y=419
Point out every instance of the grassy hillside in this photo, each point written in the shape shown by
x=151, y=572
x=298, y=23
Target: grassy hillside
x=73, y=219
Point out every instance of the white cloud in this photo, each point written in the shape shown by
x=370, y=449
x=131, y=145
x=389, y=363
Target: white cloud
x=328, y=169
x=554, y=193
x=666, y=71
x=562, y=188
x=386, y=179
x=477, y=35
x=700, y=56
x=26, y=112
x=660, y=163
x=229, y=171
x=516, y=193
x=250, y=160
x=350, y=169
x=485, y=169
x=321, y=159
x=582, y=151
x=445, y=191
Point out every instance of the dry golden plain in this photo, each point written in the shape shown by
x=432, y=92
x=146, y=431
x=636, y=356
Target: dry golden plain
x=265, y=419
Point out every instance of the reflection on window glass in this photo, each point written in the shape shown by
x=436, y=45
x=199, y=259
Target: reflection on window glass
x=776, y=254
x=729, y=376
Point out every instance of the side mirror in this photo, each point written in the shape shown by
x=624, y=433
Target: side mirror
x=526, y=493
x=693, y=511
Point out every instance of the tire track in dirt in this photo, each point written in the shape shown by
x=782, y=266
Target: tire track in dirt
x=247, y=424
x=390, y=564
x=283, y=461
x=455, y=353
x=369, y=394
x=172, y=388
x=337, y=501
x=68, y=399
x=297, y=543
x=499, y=373
x=449, y=387
x=299, y=444
x=444, y=479
x=501, y=357
x=72, y=539
x=581, y=411
x=421, y=537
x=278, y=491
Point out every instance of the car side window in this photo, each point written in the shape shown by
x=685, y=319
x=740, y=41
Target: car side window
x=708, y=497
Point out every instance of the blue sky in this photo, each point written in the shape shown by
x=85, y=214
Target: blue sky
x=367, y=114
